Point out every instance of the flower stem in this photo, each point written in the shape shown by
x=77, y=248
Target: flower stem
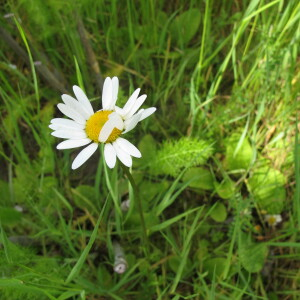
x=140, y=209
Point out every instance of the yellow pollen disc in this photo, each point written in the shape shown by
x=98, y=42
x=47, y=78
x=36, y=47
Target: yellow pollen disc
x=95, y=123
x=272, y=221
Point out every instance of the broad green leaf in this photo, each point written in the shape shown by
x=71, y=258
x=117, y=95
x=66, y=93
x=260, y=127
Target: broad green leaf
x=241, y=159
x=215, y=267
x=185, y=26
x=133, y=222
x=162, y=18
x=174, y=263
x=267, y=187
x=148, y=190
x=9, y=216
x=225, y=189
x=252, y=256
x=201, y=178
x=219, y=213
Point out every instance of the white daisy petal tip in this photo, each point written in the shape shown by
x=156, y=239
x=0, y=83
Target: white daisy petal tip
x=76, y=88
x=63, y=96
x=131, y=123
x=122, y=155
x=84, y=155
x=145, y=113
x=69, y=144
x=107, y=93
x=128, y=147
x=131, y=101
x=110, y=155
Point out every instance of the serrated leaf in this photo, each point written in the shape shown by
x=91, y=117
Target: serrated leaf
x=176, y=155
x=47, y=192
x=252, y=256
x=25, y=182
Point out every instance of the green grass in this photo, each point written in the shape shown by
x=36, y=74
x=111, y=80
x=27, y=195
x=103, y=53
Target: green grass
x=221, y=151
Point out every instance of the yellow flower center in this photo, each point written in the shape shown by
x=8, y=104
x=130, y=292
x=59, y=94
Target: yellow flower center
x=272, y=221
x=95, y=123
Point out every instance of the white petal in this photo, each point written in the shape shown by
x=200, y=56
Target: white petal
x=131, y=123
x=107, y=94
x=131, y=101
x=78, y=107
x=114, y=121
x=116, y=118
x=146, y=113
x=65, y=123
x=106, y=130
x=69, y=134
x=71, y=113
x=110, y=155
x=69, y=144
x=119, y=110
x=83, y=99
x=137, y=104
x=115, y=89
x=54, y=126
x=124, y=157
x=128, y=147
x=84, y=155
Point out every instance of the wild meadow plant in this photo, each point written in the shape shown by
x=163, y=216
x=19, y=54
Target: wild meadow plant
x=105, y=126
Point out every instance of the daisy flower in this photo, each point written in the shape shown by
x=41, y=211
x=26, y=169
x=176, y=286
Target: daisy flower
x=86, y=127
x=273, y=220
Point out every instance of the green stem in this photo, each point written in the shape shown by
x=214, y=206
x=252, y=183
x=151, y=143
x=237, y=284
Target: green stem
x=140, y=208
